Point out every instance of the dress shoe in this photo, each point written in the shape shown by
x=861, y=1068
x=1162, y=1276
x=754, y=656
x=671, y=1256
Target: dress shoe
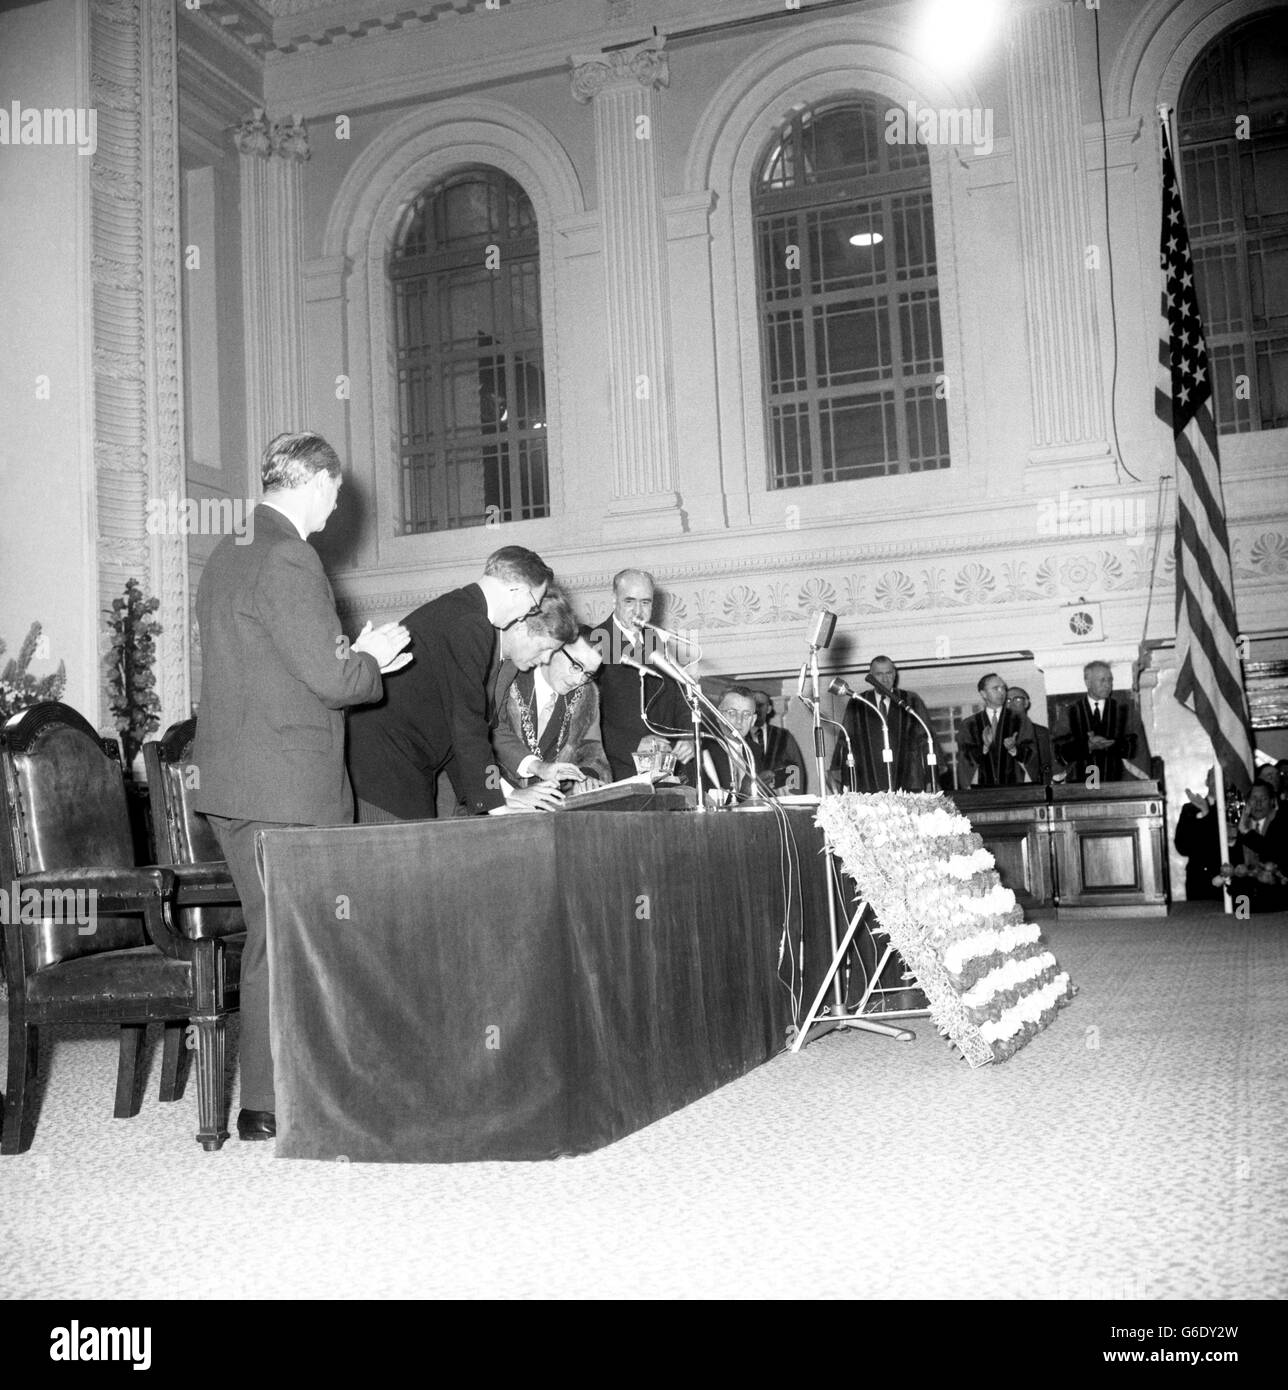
x=256, y=1124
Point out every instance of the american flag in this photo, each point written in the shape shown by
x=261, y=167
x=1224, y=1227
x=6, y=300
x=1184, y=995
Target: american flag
x=1209, y=681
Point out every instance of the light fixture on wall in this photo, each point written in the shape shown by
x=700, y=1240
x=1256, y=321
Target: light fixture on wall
x=866, y=239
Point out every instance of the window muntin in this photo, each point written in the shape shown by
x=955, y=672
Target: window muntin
x=852, y=352
x=465, y=274
x=1233, y=135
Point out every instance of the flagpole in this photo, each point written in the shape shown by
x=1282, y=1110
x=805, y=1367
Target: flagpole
x=1222, y=826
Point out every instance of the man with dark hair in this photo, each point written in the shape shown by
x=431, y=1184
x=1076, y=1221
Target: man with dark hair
x=437, y=716
x=995, y=741
x=277, y=674
x=624, y=637
x=548, y=724
x=777, y=748
x=1101, y=737
x=863, y=720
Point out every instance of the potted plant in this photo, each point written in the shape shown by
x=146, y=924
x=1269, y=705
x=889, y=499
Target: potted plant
x=135, y=704
x=19, y=689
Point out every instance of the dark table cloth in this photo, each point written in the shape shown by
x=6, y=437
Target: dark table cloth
x=527, y=986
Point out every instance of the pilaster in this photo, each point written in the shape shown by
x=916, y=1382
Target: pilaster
x=1058, y=255
x=272, y=155
x=622, y=88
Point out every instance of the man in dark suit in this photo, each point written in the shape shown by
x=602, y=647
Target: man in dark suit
x=1040, y=762
x=1198, y=838
x=777, y=748
x=626, y=637
x=1260, y=853
x=908, y=743
x=437, y=716
x=997, y=743
x=548, y=726
x=1100, y=736
x=276, y=676
x=738, y=705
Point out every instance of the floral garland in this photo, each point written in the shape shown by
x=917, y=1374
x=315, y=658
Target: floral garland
x=992, y=982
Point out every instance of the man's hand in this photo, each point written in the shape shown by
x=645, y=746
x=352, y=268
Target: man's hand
x=557, y=772
x=545, y=796
x=683, y=751
x=1099, y=742
x=385, y=643
x=1198, y=801
x=1009, y=744
x=590, y=784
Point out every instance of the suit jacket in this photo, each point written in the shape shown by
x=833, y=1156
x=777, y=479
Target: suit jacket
x=907, y=743
x=1040, y=762
x=582, y=745
x=1121, y=723
x=435, y=715
x=619, y=699
x=1198, y=839
x=996, y=767
x=781, y=756
x=270, y=731
x=715, y=749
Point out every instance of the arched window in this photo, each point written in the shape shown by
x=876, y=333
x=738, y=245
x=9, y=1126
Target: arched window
x=471, y=390
x=849, y=299
x=1232, y=123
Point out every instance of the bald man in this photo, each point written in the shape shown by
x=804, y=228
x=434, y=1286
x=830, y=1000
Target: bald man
x=624, y=635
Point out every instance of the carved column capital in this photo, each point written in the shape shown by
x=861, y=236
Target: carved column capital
x=253, y=135
x=290, y=138
x=260, y=138
x=644, y=64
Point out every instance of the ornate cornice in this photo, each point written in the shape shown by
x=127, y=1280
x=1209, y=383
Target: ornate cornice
x=645, y=65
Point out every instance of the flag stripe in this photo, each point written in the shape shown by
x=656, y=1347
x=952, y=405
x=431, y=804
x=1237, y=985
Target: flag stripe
x=1209, y=676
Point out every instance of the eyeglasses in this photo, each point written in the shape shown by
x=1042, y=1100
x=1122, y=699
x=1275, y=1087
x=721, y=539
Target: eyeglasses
x=736, y=716
x=532, y=612
x=578, y=669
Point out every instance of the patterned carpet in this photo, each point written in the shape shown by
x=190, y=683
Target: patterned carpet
x=1136, y=1149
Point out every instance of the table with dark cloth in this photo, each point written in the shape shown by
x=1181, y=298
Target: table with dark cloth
x=522, y=987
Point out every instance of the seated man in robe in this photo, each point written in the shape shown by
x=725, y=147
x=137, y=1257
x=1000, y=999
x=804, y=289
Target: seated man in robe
x=548, y=723
x=733, y=776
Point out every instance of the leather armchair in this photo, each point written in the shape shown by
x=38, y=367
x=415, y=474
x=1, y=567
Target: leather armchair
x=91, y=938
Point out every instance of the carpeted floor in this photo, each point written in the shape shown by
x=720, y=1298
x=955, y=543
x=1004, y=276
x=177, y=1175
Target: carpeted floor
x=1137, y=1149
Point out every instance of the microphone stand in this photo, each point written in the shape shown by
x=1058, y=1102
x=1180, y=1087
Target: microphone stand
x=835, y=1014
x=887, y=753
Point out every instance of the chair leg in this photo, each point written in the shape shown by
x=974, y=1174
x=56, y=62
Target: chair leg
x=174, y=1061
x=23, y=1048
x=129, y=1069
x=212, y=1118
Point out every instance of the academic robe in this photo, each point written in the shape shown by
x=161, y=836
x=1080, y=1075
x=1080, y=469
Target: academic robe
x=1120, y=722
x=995, y=766
x=908, y=744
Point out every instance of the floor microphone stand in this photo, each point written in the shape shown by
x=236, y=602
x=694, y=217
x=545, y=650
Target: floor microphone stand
x=835, y=1014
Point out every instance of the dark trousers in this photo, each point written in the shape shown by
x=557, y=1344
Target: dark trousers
x=237, y=840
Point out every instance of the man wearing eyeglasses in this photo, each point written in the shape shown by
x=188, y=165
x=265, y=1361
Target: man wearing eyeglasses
x=738, y=705
x=548, y=729
x=439, y=719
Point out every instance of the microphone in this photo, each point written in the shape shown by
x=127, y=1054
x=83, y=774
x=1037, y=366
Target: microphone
x=821, y=627
x=663, y=663
x=643, y=670
x=840, y=686
x=895, y=696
